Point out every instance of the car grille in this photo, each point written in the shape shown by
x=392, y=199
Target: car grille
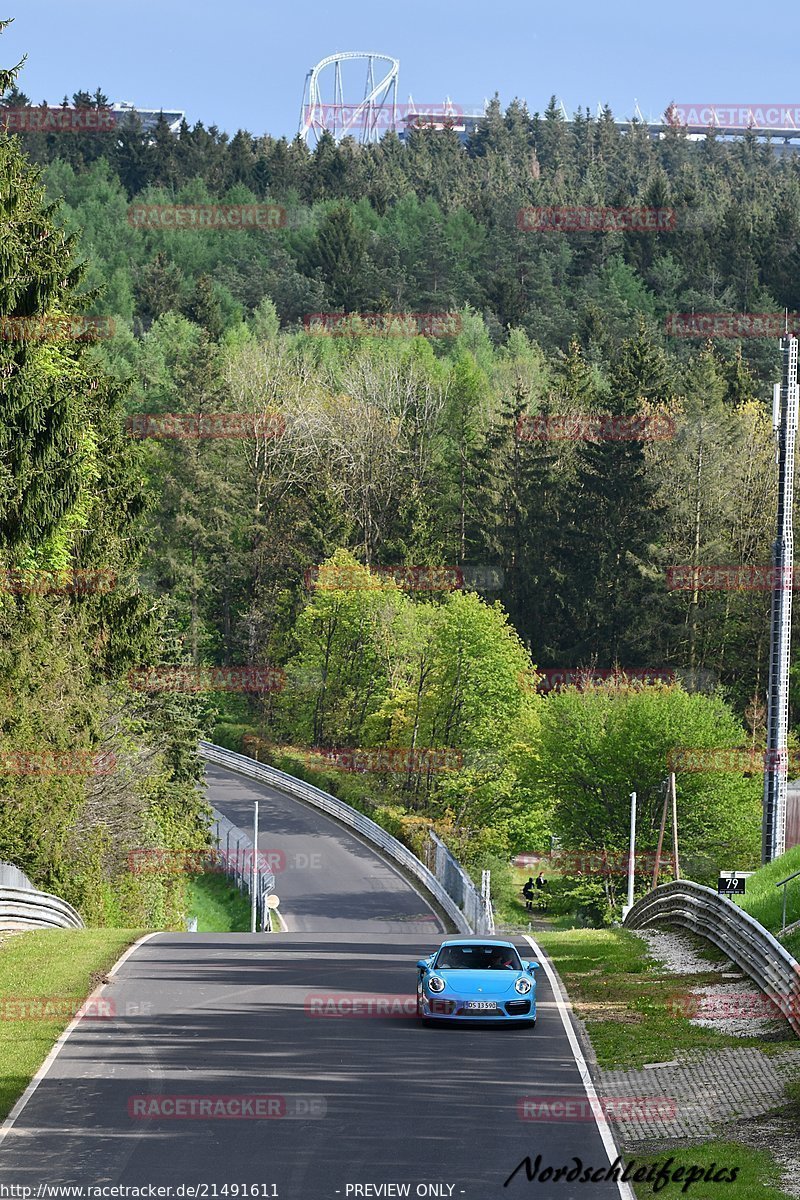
x=456, y=1008
x=486, y=1012
x=518, y=1008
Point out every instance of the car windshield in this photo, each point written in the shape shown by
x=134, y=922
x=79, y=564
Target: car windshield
x=478, y=958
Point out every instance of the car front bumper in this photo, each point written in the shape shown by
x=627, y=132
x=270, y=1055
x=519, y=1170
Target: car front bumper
x=453, y=1008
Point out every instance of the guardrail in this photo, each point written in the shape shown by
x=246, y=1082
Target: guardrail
x=13, y=877
x=746, y=942
x=784, y=883
x=25, y=908
x=348, y=816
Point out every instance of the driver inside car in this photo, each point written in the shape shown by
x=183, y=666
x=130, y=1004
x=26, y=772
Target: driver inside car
x=501, y=960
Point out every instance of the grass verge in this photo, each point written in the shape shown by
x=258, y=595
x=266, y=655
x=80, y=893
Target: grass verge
x=45, y=975
x=625, y=1001
x=630, y=1006
x=756, y=1173
x=218, y=905
x=764, y=901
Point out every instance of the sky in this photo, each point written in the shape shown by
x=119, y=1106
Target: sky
x=242, y=63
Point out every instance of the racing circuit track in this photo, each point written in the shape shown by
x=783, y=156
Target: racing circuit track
x=355, y=1099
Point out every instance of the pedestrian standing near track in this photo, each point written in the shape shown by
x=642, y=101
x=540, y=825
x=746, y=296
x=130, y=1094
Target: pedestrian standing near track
x=527, y=892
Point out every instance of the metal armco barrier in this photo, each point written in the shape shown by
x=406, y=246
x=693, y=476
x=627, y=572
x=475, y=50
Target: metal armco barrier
x=348, y=816
x=12, y=877
x=25, y=908
x=747, y=943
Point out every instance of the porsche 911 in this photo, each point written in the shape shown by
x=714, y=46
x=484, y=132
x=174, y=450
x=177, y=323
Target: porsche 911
x=476, y=981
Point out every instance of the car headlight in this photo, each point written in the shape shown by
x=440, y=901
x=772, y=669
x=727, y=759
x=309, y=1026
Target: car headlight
x=523, y=985
x=436, y=983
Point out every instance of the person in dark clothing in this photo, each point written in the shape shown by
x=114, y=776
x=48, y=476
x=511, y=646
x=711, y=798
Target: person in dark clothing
x=527, y=892
x=541, y=886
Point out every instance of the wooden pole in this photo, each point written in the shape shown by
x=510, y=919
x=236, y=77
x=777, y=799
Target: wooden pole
x=674, y=825
x=657, y=863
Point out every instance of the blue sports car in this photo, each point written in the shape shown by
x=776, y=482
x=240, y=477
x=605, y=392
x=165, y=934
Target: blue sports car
x=483, y=981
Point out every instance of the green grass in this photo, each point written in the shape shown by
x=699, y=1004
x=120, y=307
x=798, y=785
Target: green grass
x=624, y=1000
x=59, y=967
x=218, y=905
x=764, y=901
x=758, y=1177
x=628, y=1003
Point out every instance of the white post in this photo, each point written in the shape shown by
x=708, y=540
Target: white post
x=254, y=872
x=631, y=858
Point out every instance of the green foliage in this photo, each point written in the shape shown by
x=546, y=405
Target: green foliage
x=389, y=451
x=72, y=616
x=601, y=744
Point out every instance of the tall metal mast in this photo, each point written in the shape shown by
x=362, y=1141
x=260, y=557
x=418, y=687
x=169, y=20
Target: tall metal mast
x=784, y=420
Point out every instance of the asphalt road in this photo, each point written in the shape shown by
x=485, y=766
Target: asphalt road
x=360, y=1099
x=327, y=879
x=351, y=1102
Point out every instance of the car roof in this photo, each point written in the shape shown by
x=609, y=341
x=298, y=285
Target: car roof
x=476, y=942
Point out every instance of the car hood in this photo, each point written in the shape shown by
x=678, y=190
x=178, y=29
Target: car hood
x=485, y=983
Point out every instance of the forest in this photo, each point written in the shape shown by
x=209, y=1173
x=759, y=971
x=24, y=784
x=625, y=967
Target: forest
x=402, y=521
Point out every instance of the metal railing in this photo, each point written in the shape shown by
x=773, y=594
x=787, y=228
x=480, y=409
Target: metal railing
x=26, y=908
x=746, y=942
x=236, y=854
x=783, y=884
x=459, y=887
x=13, y=877
x=342, y=812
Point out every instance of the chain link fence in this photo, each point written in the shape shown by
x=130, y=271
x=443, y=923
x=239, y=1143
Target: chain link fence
x=235, y=854
x=476, y=907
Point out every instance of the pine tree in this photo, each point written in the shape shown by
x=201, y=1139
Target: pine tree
x=614, y=520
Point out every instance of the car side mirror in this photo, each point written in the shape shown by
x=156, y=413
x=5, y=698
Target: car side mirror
x=532, y=966
x=423, y=964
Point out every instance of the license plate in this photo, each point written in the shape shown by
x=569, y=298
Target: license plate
x=488, y=1004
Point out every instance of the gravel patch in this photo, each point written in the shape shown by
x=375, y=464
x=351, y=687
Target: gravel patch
x=730, y=1093
x=739, y=1009
x=678, y=952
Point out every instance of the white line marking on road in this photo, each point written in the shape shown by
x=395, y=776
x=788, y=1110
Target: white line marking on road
x=41, y=1074
x=606, y=1133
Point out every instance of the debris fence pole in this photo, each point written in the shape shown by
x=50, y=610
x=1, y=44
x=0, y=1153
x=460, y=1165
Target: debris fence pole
x=254, y=873
x=631, y=856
